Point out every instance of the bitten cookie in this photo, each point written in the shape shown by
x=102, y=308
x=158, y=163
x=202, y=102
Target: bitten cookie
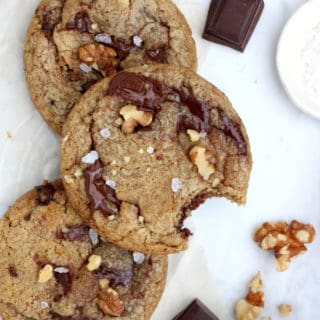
x=144, y=148
x=53, y=266
x=72, y=44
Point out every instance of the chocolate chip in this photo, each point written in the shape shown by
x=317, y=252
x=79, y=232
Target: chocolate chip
x=116, y=277
x=85, y=87
x=122, y=48
x=46, y=21
x=98, y=192
x=158, y=55
x=81, y=22
x=74, y=233
x=45, y=194
x=65, y=280
x=27, y=217
x=13, y=271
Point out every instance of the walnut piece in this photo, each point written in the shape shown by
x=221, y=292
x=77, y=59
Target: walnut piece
x=109, y=301
x=251, y=307
x=193, y=135
x=94, y=262
x=45, y=274
x=134, y=117
x=99, y=57
x=200, y=158
x=286, y=240
x=285, y=310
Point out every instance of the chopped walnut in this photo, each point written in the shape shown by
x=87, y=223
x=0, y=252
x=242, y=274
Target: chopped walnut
x=200, y=158
x=134, y=117
x=251, y=307
x=45, y=274
x=287, y=241
x=99, y=57
x=285, y=310
x=109, y=301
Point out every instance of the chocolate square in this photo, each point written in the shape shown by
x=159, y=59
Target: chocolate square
x=232, y=22
x=196, y=311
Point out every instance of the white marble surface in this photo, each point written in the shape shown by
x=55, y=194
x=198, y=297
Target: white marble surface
x=285, y=182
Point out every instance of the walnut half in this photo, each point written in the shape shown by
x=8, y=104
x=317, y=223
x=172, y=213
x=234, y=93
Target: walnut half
x=109, y=301
x=286, y=240
x=99, y=57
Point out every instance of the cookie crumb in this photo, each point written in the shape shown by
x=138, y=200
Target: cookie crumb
x=285, y=310
x=85, y=68
x=44, y=305
x=90, y=158
x=176, y=185
x=138, y=257
x=141, y=219
x=105, y=133
x=150, y=150
x=94, y=237
x=137, y=41
x=141, y=151
x=9, y=135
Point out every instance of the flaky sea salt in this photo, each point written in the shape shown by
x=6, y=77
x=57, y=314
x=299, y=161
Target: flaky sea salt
x=94, y=237
x=103, y=38
x=137, y=41
x=61, y=270
x=311, y=59
x=85, y=68
x=43, y=304
x=91, y=157
x=150, y=150
x=176, y=184
x=105, y=133
x=138, y=257
x=111, y=184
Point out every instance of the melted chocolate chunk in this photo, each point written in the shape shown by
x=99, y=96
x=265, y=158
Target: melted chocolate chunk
x=122, y=48
x=148, y=94
x=196, y=311
x=81, y=22
x=74, y=233
x=13, y=271
x=46, y=21
x=56, y=316
x=200, y=110
x=85, y=87
x=232, y=130
x=45, y=194
x=116, y=277
x=158, y=55
x=97, y=190
x=65, y=280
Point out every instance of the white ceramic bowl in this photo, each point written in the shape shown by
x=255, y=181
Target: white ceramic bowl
x=291, y=58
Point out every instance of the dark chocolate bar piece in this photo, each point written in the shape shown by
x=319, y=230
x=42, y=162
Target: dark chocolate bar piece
x=232, y=22
x=196, y=311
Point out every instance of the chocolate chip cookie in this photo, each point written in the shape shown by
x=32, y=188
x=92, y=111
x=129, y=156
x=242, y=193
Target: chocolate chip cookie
x=144, y=148
x=53, y=266
x=71, y=44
